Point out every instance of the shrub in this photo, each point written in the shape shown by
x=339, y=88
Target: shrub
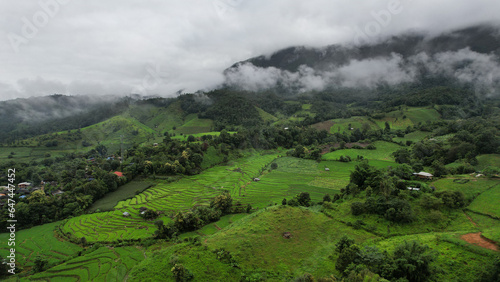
x=327, y=198
x=304, y=199
x=181, y=273
x=357, y=208
x=452, y=199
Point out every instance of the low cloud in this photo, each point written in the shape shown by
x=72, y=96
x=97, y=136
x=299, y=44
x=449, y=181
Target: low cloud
x=466, y=66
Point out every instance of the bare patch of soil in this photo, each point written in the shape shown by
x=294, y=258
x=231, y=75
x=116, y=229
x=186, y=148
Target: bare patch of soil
x=478, y=240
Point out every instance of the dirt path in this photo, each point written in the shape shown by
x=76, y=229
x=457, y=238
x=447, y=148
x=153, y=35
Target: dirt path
x=477, y=239
x=470, y=219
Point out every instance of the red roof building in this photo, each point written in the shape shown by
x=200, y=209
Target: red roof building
x=119, y=174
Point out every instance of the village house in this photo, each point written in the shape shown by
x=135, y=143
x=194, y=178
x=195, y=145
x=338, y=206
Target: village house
x=24, y=185
x=58, y=192
x=423, y=175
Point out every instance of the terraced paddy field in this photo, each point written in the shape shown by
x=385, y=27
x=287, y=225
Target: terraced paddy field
x=290, y=178
x=383, y=152
x=103, y=264
x=39, y=240
x=168, y=198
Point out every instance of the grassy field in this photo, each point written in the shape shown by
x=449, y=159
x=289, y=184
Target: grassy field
x=158, y=118
x=489, y=227
x=383, y=152
x=39, y=240
x=408, y=116
x=194, y=125
x=414, y=136
x=488, y=202
x=212, y=228
x=109, y=201
x=103, y=264
x=341, y=125
x=396, y=120
x=488, y=160
x=249, y=241
x=312, y=242
x=265, y=116
x=471, y=188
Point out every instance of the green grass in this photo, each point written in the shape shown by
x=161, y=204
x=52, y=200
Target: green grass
x=265, y=115
x=39, y=240
x=413, y=136
x=341, y=125
x=488, y=160
x=413, y=116
x=201, y=262
x=215, y=227
x=109, y=201
x=383, y=152
x=194, y=125
x=103, y=264
x=488, y=202
x=489, y=226
x=257, y=242
x=158, y=118
x=472, y=188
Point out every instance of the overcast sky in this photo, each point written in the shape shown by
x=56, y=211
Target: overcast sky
x=159, y=47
